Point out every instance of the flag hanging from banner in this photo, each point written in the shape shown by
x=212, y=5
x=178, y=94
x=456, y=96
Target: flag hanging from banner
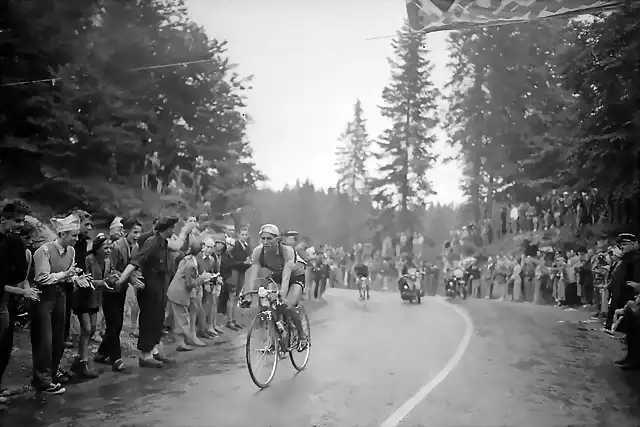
x=439, y=15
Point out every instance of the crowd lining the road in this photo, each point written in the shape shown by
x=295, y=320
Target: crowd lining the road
x=604, y=277
x=188, y=282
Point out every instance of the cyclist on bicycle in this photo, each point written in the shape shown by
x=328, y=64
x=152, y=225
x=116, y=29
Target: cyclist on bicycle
x=361, y=271
x=287, y=268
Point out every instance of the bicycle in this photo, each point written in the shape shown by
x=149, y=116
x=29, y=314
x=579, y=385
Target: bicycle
x=282, y=336
x=363, y=288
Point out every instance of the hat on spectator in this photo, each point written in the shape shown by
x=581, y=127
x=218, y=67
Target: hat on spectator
x=82, y=215
x=203, y=217
x=626, y=238
x=98, y=243
x=68, y=223
x=166, y=222
x=219, y=238
x=291, y=233
x=15, y=208
x=117, y=222
x=269, y=228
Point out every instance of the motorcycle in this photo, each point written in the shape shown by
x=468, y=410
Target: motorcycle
x=456, y=286
x=409, y=290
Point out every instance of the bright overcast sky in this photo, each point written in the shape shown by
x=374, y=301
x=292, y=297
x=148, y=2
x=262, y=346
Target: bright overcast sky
x=311, y=61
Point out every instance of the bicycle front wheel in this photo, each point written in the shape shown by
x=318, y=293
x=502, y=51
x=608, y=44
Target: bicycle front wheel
x=262, y=350
x=299, y=359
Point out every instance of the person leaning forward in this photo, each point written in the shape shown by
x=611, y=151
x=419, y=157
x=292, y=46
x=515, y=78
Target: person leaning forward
x=153, y=260
x=113, y=301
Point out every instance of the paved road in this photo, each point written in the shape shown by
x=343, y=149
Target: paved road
x=524, y=366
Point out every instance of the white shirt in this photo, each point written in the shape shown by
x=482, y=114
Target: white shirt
x=514, y=213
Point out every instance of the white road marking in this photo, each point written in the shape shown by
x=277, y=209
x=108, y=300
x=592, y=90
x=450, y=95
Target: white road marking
x=396, y=418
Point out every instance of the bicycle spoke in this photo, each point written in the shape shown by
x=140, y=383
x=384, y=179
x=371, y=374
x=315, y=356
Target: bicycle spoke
x=266, y=347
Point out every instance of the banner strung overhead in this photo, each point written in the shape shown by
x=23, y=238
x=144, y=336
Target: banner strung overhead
x=439, y=15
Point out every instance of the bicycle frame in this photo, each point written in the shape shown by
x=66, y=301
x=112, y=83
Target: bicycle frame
x=284, y=339
x=268, y=307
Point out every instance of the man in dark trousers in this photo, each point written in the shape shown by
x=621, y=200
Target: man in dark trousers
x=55, y=272
x=14, y=266
x=241, y=256
x=113, y=301
x=153, y=261
x=626, y=270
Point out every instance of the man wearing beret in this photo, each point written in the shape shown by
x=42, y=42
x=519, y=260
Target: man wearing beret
x=153, y=261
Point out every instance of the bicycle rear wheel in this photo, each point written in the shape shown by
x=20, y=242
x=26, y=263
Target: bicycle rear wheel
x=262, y=332
x=299, y=359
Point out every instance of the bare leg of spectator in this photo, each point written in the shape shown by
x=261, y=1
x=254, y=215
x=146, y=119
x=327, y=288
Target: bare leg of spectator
x=195, y=310
x=517, y=289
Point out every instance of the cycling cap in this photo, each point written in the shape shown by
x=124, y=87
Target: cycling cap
x=269, y=228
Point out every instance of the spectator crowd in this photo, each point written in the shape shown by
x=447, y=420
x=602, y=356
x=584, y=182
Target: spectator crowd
x=185, y=283
x=603, y=277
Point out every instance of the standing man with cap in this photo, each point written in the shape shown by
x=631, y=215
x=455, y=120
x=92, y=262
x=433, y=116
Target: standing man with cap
x=626, y=270
x=55, y=271
x=152, y=260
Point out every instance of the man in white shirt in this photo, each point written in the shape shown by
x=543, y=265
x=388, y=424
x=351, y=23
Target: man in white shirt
x=513, y=216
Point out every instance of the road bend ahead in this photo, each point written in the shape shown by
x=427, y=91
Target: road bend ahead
x=383, y=363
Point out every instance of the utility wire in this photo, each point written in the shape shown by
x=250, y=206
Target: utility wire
x=150, y=67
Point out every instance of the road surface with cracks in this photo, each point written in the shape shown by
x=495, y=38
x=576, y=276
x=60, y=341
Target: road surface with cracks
x=381, y=363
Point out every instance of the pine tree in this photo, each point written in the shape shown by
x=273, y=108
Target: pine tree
x=352, y=156
x=410, y=104
x=505, y=108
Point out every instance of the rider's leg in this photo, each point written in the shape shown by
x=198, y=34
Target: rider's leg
x=293, y=297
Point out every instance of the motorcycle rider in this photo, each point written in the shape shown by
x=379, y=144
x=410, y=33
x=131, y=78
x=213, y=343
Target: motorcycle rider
x=361, y=271
x=410, y=279
x=455, y=274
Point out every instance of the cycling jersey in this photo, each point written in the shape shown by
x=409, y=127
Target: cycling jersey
x=275, y=261
x=361, y=270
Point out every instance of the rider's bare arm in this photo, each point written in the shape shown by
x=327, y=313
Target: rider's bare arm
x=255, y=266
x=289, y=262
